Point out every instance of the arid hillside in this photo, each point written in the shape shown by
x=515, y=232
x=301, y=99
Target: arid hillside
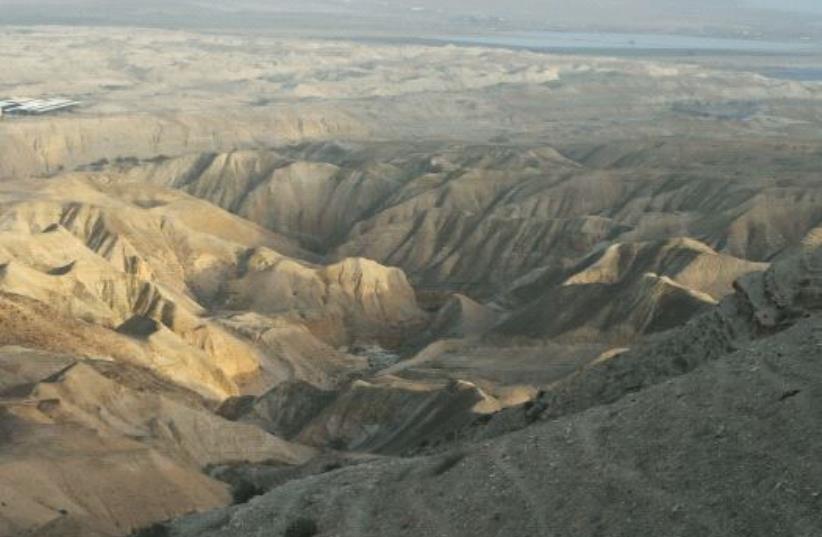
x=691, y=435
x=477, y=217
x=261, y=286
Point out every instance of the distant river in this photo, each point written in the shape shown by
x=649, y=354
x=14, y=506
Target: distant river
x=802, y=74
x=593, y=41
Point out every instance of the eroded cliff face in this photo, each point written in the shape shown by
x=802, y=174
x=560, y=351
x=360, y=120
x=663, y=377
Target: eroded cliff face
x=159, y=267
x=662, y=285
x=404, y=289
x=515, y=276
x=106, y=447
x=521, y=228
x=732, y=391
x=131, y=285
x=477, y=217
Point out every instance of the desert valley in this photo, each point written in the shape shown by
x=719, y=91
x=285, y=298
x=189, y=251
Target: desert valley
x=272, y=285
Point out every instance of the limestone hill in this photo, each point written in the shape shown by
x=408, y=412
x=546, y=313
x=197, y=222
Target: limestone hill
x=691, y=450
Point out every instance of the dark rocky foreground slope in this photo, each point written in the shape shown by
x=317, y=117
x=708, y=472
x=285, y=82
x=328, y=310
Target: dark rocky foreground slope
x=714, y=430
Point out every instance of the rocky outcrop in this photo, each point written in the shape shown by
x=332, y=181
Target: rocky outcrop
x=136, y=409
x=622, y=292
x=339, y=302
x=692, y=448
x=461, y=317
x=394, y=416
x=155, y=267
x=102, y=448
x=763, y=304
x=475, y=218
x=287, y=408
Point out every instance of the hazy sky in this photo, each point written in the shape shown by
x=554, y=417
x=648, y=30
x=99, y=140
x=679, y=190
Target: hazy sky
x=590, y=7
x=500, y=6
x=798, y=17
x=784, y=5
x=790, y=5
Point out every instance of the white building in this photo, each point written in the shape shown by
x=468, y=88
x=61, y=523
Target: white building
x=35, y=107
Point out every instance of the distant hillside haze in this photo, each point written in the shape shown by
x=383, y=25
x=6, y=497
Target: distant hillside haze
x=777, y=17
x=801, y=6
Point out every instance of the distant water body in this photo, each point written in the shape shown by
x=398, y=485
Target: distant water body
x=802, y=74
x=619, y=42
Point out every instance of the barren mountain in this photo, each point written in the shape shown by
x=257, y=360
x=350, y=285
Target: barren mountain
x=265, y=285
x=153, y=265
x=619, y=460
x=94, y=447
x=132, y=283
x=662, y=284
x=476, y=217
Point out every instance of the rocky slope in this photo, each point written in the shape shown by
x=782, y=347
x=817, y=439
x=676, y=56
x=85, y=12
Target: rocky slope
x=102, y=448
x=161, y=268
x=404, y=289
x=160, y=307
x=473, y=218
x=202, y=338
x=662, y=284
x=720, y=447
